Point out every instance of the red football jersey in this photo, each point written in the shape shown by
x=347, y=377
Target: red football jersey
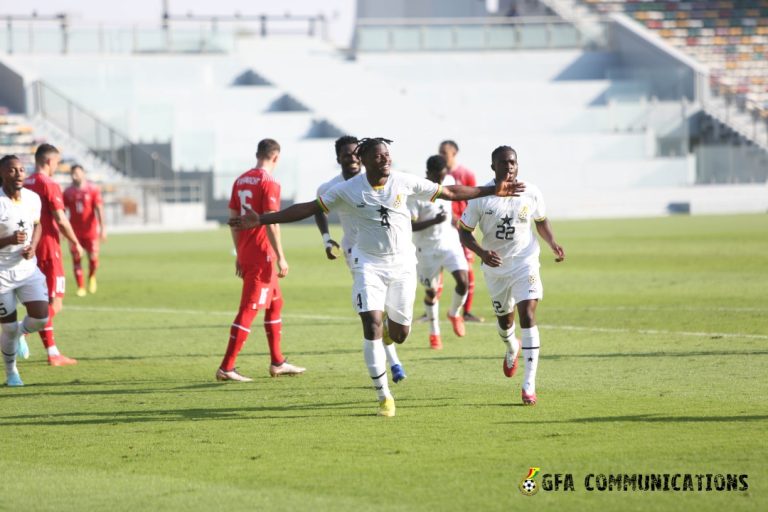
x=463, y=176
x=51, y=199
x=259, y=191
x=81, y=203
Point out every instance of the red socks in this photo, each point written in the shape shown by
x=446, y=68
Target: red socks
x=273, y=326
x=47, y=333
x=470, y=291
x=238, y=333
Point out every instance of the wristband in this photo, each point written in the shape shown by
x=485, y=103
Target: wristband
x=327, y=239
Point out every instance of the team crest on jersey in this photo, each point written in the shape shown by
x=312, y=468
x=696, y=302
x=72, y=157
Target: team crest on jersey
x=532, y=279
x=398, y=201
x=523, y=213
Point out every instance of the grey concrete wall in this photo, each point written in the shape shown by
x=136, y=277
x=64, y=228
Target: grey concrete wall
x=421, y=8
x=12, y=92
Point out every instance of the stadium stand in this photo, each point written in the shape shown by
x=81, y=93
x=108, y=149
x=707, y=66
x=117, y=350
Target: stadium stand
x=580, y=117
x=731, y=37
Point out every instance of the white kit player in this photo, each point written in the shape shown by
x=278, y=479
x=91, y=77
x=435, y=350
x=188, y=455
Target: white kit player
x=383, y=257
x=437, y=248
x=350, y=167
x=510, y=255
x=20, y=232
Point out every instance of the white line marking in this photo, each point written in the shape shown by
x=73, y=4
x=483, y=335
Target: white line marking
x=662, y=308
x=300, y=316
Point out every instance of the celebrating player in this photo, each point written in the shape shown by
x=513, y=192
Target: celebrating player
x=83, y=200
x=438, y=248
x=258, y=250
x=19, y=276
x=383, y=257
x=49, y=258
x=350, y=167
x=463, y=176
x=511, y=262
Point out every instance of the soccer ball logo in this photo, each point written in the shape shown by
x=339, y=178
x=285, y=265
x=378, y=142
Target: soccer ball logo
x=528, y=486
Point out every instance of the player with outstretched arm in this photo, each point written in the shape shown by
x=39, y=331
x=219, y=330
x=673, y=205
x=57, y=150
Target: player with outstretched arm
x=383, y=259
x=510, y=256
x=350, y=167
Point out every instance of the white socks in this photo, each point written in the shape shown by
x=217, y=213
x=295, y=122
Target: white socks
x=376, y=361
x=9, y=346
x=433, y=317
x=531, y=356
x=391, y=351
x=509, y=339
x=456, y=303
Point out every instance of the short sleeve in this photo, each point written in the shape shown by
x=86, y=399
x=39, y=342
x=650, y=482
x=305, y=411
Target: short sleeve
x=471, y=216
x=270, y=200
x=54, y=196
x=330, y=198
x=540, y=209
x=37, y=208
x=422, y=188
x=413, y=208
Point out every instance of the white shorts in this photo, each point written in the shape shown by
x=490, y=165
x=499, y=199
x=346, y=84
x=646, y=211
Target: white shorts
x=379, y=287
x=28, y=286
x=431, y=263
x=522, y=283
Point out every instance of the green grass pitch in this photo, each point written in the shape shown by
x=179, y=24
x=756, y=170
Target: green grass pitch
x=654, y=348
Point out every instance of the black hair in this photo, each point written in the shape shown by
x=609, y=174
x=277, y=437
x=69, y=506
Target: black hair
x=499, y=150
x=7, y=158
x=43, y=150
x=267, y=148
x=76, y=166
x=366, y=144
x=451, y=143
x=435, y=163
x=345, y=140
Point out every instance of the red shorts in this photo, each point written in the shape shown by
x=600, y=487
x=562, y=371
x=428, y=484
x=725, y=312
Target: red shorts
x=258, y=294
x=53, y=270
x=91, y=245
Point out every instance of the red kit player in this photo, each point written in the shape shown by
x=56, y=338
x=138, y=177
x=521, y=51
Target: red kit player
x=462, y=176
x=49, y=258
x=83, y=200
x=258, y=250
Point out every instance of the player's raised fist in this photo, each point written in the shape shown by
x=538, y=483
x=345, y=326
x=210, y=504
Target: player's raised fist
x=509, y=188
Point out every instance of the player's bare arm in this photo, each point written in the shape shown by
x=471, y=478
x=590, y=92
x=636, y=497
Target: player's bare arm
x=321, y=219
x=16, y=238
x=29, y=251
x=100, y=219
x=463, y=193
x=294, y=213
x=66, y=229
x=273, y=234
x=424, y=224
x=468, y=240
x=545, y=232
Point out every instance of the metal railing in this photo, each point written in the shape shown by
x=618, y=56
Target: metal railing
x=455, y=34
x=174, y=34
x=104, y=141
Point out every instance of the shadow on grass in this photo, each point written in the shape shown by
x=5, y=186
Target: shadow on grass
x=188, y=327
x=557, y=357
x=646, y=418
x=182, y=415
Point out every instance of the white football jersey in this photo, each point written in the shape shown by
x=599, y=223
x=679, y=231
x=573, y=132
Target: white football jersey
x=380, y=214
x=348, y=226
x=21, y=215
x=439, y=236
x=507, y=225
